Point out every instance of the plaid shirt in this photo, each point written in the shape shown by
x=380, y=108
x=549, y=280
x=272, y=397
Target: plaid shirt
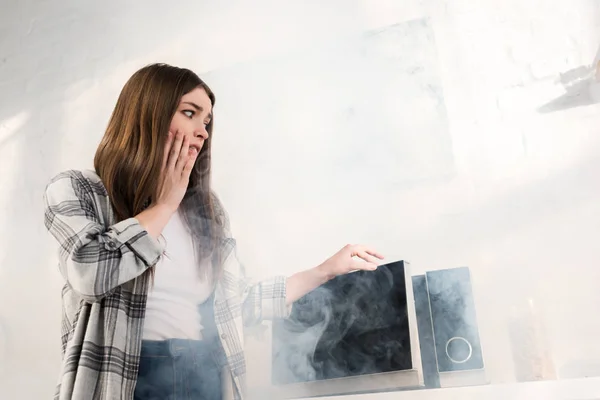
x=105, y=292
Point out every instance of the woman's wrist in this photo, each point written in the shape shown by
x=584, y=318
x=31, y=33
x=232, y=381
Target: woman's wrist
x=163, y=208
x=305, y=281
x=155, y=218
x=322, y=273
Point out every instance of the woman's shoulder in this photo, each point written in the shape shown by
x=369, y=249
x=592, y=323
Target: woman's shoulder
x=76, y=181
x=77, y=174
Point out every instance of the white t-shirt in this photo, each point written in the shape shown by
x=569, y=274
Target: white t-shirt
x=172, y=307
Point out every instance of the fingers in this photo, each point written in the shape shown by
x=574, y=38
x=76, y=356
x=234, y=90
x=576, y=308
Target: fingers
x=373, y=253
x=356, y=264
x=369, y=258
x=166, y=150
x=174, y=151
x=183, y=155
x=360, y=250
x=189, y=165
x=179, y=158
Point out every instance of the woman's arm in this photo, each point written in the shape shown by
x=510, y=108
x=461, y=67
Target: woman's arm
x=304, y=282
x=350, y=258
x=93, y=259
x=273, y=298
x=154, y=219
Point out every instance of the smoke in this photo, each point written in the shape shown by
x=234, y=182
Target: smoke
x=297, y=338
x=354, y=325
x=363, y=323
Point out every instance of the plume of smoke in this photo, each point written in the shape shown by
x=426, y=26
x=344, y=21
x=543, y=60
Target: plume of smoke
x=356, y=324
x=295, y=349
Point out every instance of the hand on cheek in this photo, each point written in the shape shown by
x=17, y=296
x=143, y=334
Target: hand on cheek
x=178, y=162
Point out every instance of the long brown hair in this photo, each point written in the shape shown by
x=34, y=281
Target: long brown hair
x=129, y=157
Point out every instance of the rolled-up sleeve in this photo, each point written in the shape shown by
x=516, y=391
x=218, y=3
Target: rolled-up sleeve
x=265, y=300
x=94, y=259
x=261, y=300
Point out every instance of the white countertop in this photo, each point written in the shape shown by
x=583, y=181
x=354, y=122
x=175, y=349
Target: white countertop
x=572, y=389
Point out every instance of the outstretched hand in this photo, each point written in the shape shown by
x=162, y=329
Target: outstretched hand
x=350, y=258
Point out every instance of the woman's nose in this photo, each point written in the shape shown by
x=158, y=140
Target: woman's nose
x=201, y=133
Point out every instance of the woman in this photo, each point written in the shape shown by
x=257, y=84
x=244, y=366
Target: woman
x=155, y=301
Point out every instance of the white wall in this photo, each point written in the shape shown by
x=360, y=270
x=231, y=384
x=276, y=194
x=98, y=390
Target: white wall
x=490, y=182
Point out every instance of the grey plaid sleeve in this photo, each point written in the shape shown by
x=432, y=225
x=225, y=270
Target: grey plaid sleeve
x=262, y=300
x=265, y=300
x=94, y=260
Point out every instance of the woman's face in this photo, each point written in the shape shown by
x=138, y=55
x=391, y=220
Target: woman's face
x=192, y=117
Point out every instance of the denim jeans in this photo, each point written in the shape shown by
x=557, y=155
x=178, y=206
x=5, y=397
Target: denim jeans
x=179, y=369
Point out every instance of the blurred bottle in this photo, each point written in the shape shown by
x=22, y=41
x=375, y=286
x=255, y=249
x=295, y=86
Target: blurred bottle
x=531, y=351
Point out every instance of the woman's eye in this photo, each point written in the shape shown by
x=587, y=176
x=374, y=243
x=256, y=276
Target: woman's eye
x=188, y=113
